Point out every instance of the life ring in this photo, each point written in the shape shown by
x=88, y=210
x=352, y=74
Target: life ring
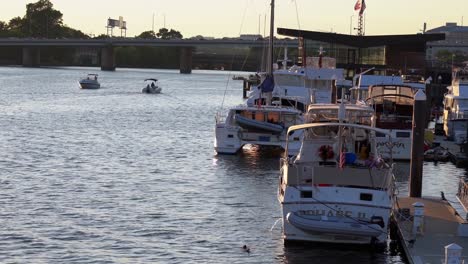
x=326, y=152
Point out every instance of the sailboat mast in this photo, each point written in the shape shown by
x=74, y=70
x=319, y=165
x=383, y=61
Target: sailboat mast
x=270, y=46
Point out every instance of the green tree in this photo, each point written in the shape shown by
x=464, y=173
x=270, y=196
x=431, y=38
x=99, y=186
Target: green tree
x=42, y=20
x=147, y=35
x=164, y=33
x=3, y=29
x=15, y=27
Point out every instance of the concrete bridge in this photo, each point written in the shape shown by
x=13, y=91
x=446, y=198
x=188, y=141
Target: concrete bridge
x=32, y=55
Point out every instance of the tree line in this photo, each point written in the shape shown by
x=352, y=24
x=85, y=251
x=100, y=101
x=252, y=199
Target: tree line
x=43, y=21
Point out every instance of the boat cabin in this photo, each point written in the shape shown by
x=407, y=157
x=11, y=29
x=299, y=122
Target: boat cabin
x=393, y=105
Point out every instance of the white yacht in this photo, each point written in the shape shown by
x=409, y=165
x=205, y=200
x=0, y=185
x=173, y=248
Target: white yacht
x=266, y=116
x=330, y=192
x=277, y=103
x=456, y=108
x=90, y=82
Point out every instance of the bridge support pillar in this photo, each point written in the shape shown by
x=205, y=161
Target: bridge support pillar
x=107, y=59
x=186, y=60
x=31, y=57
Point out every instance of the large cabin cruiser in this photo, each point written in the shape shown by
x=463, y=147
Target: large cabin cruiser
x=456, y=108
x=332, y=191
x=267, y=115
x=277, y=103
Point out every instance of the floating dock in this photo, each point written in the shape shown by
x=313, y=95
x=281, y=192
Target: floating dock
x=431, y=230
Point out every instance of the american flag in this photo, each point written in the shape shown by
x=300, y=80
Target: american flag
x=357, y=6
x=342, y=159
x=361, y=6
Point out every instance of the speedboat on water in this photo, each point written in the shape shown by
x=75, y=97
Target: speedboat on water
x=332, y=193
x=90, y=82
x=151, y=87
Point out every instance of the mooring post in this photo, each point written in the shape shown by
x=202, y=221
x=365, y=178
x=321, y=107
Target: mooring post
x=418, y=218
x=417, y=145
x=453, y=253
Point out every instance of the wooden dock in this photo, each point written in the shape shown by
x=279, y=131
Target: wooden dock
x=441, y=226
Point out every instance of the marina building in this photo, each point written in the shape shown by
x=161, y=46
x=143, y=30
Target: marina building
x=452, y=50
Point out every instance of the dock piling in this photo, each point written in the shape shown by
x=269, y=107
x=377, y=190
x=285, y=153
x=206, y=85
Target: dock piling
x=453, y=254
x=417, y=145
x=418, y=218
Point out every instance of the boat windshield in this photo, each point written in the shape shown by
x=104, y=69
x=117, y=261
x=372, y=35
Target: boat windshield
x=400, y=95
x=288, y=80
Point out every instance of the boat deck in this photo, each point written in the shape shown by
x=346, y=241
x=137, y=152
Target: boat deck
x=440, y=228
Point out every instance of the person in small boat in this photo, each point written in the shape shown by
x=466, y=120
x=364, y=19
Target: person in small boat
x=152, y=85
x=147, y=88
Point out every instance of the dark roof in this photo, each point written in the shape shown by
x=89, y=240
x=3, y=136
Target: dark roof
x=362, y=41
x=449, y=28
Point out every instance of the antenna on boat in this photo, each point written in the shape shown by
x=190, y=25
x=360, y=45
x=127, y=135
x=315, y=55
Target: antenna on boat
x=268, y=83
x=270, y=46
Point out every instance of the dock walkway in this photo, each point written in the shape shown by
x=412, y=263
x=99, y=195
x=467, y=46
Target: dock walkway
x=441, y=226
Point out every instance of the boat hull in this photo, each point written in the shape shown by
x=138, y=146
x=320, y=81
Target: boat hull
x=88, y=85
x=341, y=221
x=152, y=90
x=401, y=145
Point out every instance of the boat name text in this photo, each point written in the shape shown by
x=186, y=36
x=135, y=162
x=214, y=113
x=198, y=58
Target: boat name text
x=329, y=213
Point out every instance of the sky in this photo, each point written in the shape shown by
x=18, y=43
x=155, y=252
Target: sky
x=230, y=18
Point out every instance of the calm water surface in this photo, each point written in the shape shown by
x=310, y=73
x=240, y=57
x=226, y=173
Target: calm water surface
x=117, y=176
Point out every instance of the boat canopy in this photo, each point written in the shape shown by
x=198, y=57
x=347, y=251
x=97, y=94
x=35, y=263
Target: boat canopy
x=399, y=94
x=364, y=81
x=313, y=125
x=151, y=79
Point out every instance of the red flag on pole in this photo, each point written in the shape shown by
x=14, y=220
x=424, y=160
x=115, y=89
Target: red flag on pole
x=357, y=6
x=361, y=6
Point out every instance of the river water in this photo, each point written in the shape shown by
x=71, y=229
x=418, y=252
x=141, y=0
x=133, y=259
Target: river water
x=117, y=176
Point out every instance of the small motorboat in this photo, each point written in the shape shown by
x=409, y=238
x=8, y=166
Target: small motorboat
x=90, y=82
x=437, y=154
x=151, y=87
